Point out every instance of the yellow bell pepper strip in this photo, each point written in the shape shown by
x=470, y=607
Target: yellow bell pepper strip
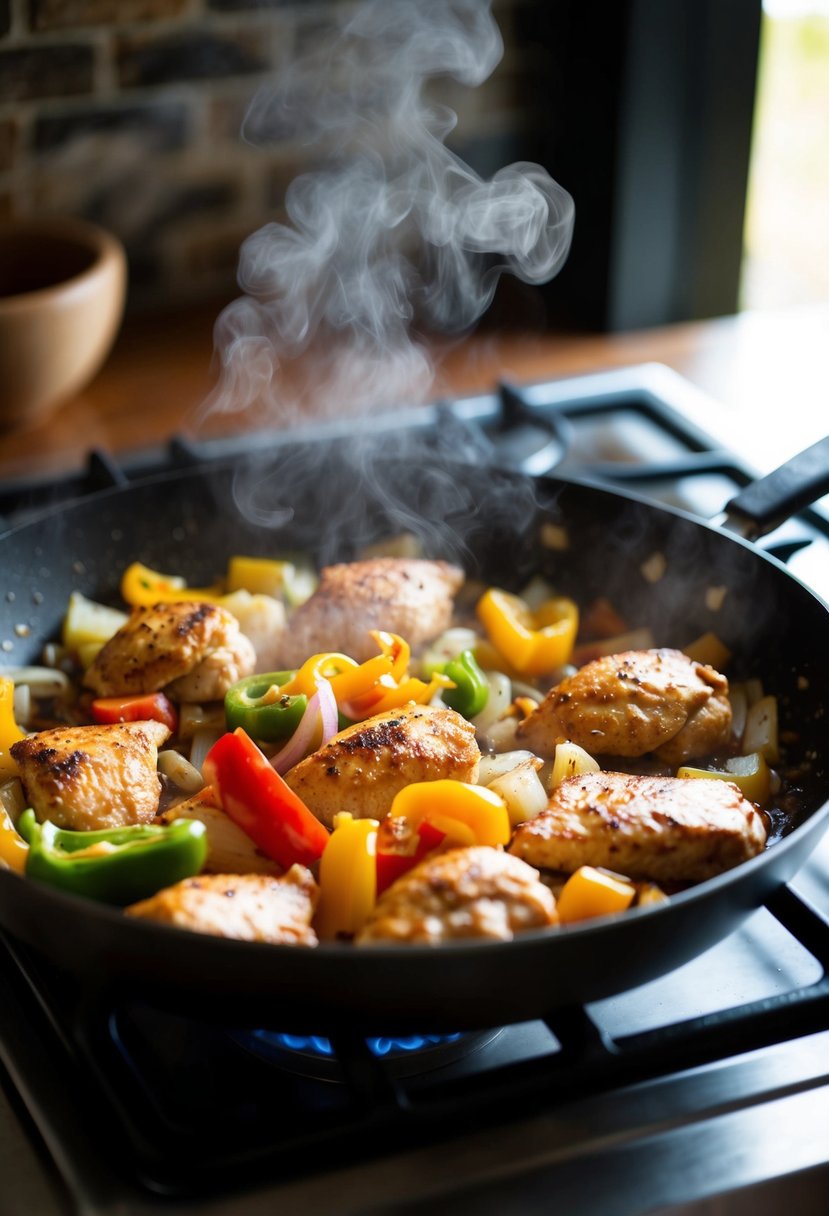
x=13, y=848
x=142, y=586
x=256, y=798
x=10, y=732
x=364, y=689
x=534, y=642
x=259, y=575
x=592, y=892
x=347, y=877
x=467, y=814
x=751, y=774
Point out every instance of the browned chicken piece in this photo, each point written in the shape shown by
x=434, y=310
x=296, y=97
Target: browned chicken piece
x=362, y=768
x=408, y=596
x=249, y=907
x=475, y=892
x=666, y=829
x=89, y=777
x=193, y=651
x=633, y=703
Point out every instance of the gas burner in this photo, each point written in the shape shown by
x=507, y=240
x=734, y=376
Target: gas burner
x=316, y=1056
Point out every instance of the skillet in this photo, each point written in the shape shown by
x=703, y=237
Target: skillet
x=497, y=523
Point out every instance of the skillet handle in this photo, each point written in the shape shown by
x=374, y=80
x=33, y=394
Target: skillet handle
x=760, y=507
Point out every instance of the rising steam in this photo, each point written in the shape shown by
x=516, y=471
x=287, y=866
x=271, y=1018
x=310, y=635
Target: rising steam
x=391, y=236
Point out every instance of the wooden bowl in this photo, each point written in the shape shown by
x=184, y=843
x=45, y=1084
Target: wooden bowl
x=62, y=293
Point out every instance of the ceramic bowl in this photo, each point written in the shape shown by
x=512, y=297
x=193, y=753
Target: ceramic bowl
x=62, y=292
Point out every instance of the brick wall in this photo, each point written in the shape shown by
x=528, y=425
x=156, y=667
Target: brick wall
x=128, y=112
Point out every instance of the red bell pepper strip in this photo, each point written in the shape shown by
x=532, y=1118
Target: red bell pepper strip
x=256, y=798
x=391, y=864
x=145, y=707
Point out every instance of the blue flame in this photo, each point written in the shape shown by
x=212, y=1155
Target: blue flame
x=379, y=1046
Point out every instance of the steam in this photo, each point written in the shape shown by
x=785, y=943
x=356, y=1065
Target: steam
x=390, y=236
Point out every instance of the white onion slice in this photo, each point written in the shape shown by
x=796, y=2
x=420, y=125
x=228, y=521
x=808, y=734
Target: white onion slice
x=43, y=681
x=203, y=740
x=22, y=704
x=181, y=772
x=499, y=763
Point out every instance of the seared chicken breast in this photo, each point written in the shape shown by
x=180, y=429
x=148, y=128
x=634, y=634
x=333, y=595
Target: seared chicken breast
x=633, y=703
x=408, y=596
x=193, y=651
x=667, y=829
x=475, y=892
x=90, y=777
x=362, y=768
x=249, y=907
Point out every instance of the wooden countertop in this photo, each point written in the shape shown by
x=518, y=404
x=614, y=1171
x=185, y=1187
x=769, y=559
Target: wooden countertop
x=765, y=375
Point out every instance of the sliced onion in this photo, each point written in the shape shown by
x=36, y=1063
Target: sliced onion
x=499, y=763
x=181, y=772
x=322, y=705
x=22, y=704
x=203, y=740
x=12, y=798
x=43, y=681
x=328, y=709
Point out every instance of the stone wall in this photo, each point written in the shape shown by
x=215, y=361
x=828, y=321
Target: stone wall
x=129, y=112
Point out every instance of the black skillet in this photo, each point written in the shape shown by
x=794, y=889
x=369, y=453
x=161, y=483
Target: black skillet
x=497, y=524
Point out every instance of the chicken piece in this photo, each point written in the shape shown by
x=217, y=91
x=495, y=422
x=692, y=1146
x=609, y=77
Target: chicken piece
x=475, y=892
x=193, y=651
x=249, y=907
x=666, y=829
x=362, y=768
x=633, y=703
x=90, y=777
x=407, y=596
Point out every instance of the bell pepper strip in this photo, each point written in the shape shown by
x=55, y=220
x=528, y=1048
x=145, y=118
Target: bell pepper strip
x=364, y=689
x=592, y=892
x=256, y=798
x=394, y=861
x=471, y=691
x=146, y=707
x=467, y=814
x=13, y=848
x=259, y=575
x=10, y=732
x=534, y=642
x=142, y=586
x=347, y=877
x=114, y=866
x=751, y=774
x=260, y=706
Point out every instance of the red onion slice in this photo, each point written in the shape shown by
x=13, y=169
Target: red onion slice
x=323, y=705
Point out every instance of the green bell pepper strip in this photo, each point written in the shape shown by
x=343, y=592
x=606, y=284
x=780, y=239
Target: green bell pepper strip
x=471, y=691
x=113, y=866
x=256, y=705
